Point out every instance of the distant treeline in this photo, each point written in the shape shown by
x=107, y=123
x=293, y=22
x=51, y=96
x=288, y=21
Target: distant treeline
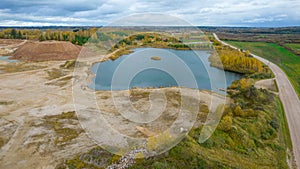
x=76, y=36
x=253, y=30
x=260, y=30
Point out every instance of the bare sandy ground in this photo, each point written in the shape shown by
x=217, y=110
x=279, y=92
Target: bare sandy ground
x=8, y=46
x=290, y=102
x=30, y=144
x=268, y=84
x=28, y=97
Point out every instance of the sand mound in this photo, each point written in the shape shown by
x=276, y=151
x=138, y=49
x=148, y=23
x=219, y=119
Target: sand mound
x=47, y=50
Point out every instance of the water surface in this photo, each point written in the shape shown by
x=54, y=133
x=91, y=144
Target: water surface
x=176, y=68
x=6, y=59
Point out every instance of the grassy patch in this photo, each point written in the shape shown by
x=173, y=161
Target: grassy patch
x=61, y=82
x=63, y=134
x=67, y=78
x=295, y=47
x=120, y=52
x=136, y=94
x=19, y=67
x=2, y=142
x=70, y=64
x=284, y=126
x=55, y=73
x=285, y=59
x=97, y=158
x=5, y=103
x=276, y=86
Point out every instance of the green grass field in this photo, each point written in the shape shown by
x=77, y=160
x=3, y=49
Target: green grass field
x=285, y=59
x=293, y=46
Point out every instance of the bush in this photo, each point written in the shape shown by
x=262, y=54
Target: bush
x=238, y=111
x=274, y=123
x=70, y=64
x=227, y=111
x=250, y=113
x=225, y=123
x=204, y=108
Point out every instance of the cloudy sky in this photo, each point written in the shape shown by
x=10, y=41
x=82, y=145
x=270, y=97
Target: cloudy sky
x=196, y=12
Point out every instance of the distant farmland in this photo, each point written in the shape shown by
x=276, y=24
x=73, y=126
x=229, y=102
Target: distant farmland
x=293, y=46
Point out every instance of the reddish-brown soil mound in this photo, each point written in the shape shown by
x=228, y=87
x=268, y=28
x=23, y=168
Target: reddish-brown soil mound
x=48, y=50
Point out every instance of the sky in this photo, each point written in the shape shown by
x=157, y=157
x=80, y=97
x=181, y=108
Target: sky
x=252, y=13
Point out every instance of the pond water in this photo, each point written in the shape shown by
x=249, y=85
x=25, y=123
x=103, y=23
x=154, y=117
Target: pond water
x=6, y=59
x=175, y=68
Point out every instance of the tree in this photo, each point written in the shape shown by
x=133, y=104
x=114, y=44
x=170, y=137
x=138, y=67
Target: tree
x=19, y=35
x=247, y=53
x=13, y=33
x=41, y=37
x=245, y=83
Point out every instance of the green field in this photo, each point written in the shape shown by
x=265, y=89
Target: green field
x=294, y=46
x=285, y=59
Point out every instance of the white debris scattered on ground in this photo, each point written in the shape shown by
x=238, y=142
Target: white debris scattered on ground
x=127, y=160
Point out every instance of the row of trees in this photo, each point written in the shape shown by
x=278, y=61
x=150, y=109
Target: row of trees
x=77, y=36
x=12, y=34
x=235, y=60
x=157, y=40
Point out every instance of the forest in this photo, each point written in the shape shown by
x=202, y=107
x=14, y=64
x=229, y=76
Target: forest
x=76, y=36
x=238, y=61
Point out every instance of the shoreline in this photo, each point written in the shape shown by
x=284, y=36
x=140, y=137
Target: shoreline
x=131, y=50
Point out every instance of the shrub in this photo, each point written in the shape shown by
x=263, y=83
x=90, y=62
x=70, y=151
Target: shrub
x=274, y=123
x=204, y=108
x=250, y=113
x=238, y=111
x=225, y=123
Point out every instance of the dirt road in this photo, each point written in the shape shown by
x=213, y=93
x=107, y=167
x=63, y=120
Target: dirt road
x=290, y=102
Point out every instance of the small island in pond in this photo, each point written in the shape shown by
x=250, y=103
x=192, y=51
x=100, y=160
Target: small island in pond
x=156, y=58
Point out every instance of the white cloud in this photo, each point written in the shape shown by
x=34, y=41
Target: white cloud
x=200, y=12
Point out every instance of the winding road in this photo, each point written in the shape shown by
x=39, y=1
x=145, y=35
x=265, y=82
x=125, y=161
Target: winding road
x=290, y=102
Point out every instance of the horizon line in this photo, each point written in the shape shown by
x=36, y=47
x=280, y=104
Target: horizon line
x=98, y=26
